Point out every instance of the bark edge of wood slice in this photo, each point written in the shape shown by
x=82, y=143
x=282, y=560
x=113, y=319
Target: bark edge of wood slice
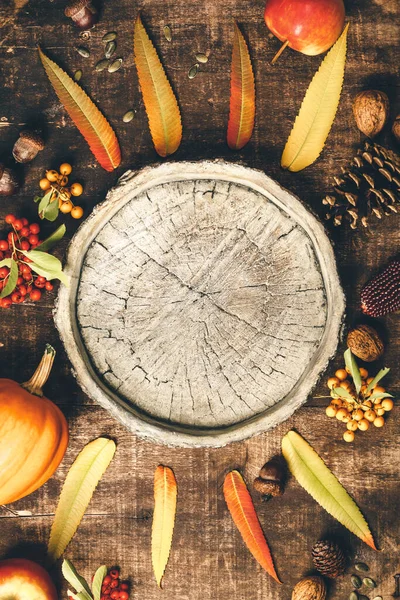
x=204, y=303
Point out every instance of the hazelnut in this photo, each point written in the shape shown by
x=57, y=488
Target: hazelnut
x=8, y=181
x=396, y=128
x=365, y=343
x=371, y=111
x=27, y=146
x=310, y=588
x=83, y=13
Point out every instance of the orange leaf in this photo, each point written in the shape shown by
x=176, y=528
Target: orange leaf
x=243, y=95
x=91, y=123
x=245, y=518
x=165, y=493
x=159, y=100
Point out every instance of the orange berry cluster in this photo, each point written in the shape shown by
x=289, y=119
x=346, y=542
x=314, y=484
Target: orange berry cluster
x=58, y=182
x=363, y=409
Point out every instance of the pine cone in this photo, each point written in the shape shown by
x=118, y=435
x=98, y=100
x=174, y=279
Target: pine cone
x=370, y=186
x=381, y=295
x=328, y=558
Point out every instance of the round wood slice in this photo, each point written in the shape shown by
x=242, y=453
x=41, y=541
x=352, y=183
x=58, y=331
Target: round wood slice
x=204, y=303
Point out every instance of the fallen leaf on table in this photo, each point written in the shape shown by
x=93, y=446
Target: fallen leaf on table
x=314, y=476
x=77, y=491
x=243, y=95
x=159, y=99
x=89, y=120
x=244, y=516
x=98, y=582
x=78, y=582
x=318, y=110
x=165, y=493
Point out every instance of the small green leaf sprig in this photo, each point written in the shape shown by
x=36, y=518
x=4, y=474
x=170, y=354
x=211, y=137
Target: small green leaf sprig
x=38, y=260
x=104, y=582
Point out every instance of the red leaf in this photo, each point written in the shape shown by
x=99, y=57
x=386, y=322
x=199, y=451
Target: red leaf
x=244, y=516
x=91, y=123
x=243, y=95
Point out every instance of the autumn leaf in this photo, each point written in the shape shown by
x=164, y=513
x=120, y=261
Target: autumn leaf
x=80, y=483
x=318, y=110
x=159, y=100
x=244, y=516
x=243, y=95
x=314, y=476
x=165, y=493
x=89, y=120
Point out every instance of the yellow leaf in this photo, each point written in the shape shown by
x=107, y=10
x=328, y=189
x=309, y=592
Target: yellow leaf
x=314, y=476
x=243, y=95
x=165, y=493
x=89, y=120
x=318, y=110
x=159, y=100
x=80, y=483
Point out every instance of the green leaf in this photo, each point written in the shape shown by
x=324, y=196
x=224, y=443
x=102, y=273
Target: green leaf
x=352, y=366
x=43, y=204
x=339, y=392
x=382, y=373
x=37, y=199
x=314, y=476
x=6, y=262
x=98, y=581
x=52, y=210
x=78, y=582
x=11, y=280
x=77, y=491
x=46, y=265
x=55, y=237
x=380, y=396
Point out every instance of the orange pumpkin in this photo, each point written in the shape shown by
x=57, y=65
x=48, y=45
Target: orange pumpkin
x=33, y=434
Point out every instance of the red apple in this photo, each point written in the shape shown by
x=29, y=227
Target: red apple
x=309, y=26
x=22, y=579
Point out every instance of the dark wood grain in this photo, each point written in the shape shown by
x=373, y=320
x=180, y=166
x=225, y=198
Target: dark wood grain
x=208, y=558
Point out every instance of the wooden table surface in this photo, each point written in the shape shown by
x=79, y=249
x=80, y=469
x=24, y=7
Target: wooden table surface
x=208, y=558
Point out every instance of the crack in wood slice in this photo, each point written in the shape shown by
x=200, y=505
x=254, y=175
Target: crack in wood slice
x=201, y=303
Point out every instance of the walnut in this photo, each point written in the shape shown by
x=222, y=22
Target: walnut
x=310, y=588
x=371, y=111
x=365, y=343
x=396, y=128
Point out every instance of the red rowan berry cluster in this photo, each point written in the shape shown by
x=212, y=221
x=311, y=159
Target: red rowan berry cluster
x=113, y=588
x=24, y=236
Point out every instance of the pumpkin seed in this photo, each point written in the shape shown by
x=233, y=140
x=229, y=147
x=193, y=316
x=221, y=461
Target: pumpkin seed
x=193, y=71
x=109, y=37
x=201, y=57
x=77, y=75
x=102, y=64
x=128, y=116
x=168, y=33
x=115, y=65
x=83, y=51
x=356, y=581
x=378, y=598
x=110, y=49
x=361, y=567
x=369, y=582
x=353, y=596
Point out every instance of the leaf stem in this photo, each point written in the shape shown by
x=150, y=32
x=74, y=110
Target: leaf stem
x=42, y=373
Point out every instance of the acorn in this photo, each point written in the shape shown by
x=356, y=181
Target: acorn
x=27, y=146
x=381, y=295
x=365, y=343
x=272, y=478
x=8, y=181
x=83, y=13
